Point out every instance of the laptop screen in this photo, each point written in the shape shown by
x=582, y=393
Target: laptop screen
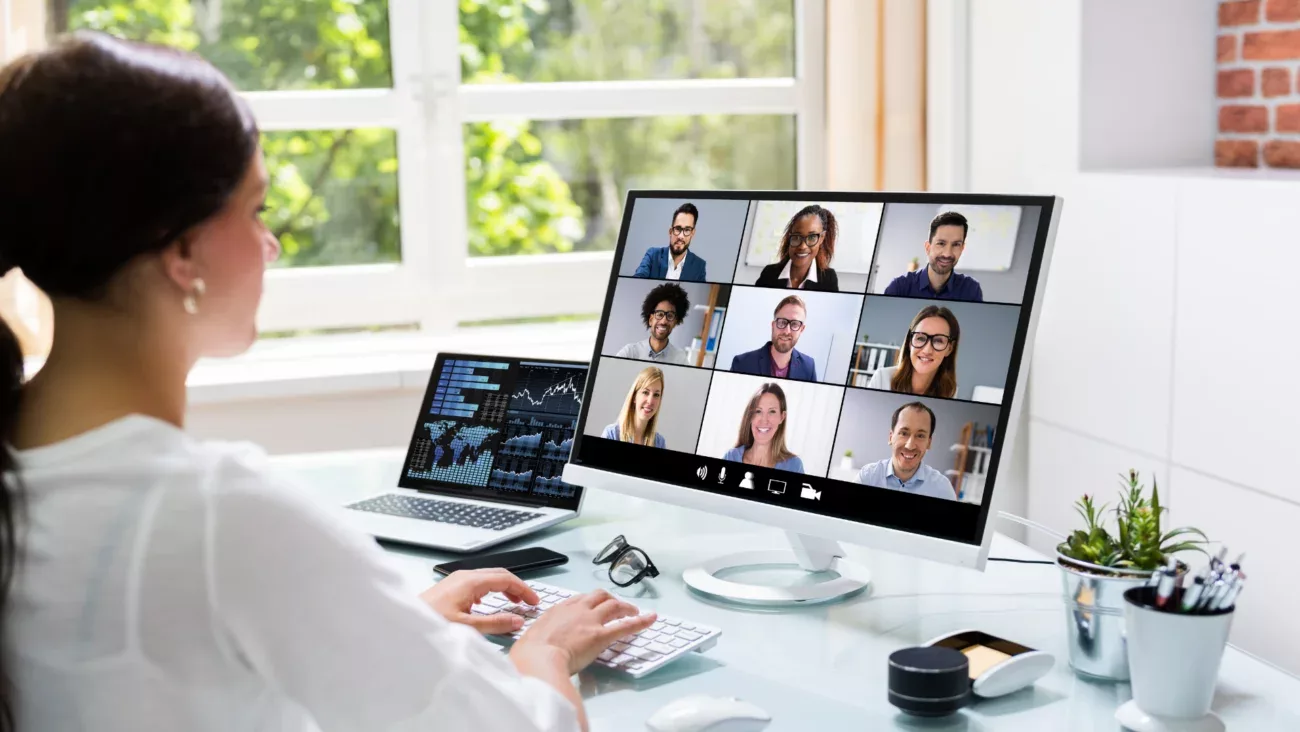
x=497, y=428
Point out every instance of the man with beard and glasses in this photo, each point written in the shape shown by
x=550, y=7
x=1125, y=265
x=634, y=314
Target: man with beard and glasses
x=663, y=309
x=778, y=357
x=676, y=261
x=938, y=281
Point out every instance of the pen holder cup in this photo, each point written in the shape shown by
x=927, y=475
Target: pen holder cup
x=1173, y=657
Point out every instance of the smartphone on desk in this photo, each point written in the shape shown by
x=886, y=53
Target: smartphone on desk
x=517, y=561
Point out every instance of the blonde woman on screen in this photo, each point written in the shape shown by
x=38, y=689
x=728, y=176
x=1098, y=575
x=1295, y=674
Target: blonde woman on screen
x=640, y=411
x=762, y=432
x=151, y=581
x=927, y=365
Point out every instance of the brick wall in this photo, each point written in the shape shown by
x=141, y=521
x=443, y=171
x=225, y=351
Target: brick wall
x=1258, y=84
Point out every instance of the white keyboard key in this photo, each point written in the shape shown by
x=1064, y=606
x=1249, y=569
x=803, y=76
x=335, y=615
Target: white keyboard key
x=649, y=635
x=564, y=593
x=620, y=646
x=635, y=665
x=608, y=655
x=640, y=642
x=687, y=635
x=672, y=621
x=688, y=626
x=638, y=652
x=651, y=657
x=658, y=626
x=627, y=639
x=495, y=601
x=482, y=610
x=678, y=643
x=660, y=648
x=623, y=658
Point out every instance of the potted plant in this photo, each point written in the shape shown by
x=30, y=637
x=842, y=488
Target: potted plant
x=1097, y=567
x=846, y=462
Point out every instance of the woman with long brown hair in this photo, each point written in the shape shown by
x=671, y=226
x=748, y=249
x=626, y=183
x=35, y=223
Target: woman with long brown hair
x=761, y=439
x=153, y=581
x=927, y=365
x=639, y=415
x=807, y=249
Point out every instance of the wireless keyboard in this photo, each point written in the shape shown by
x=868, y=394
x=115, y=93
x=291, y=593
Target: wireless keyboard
x=445, y=512
x=633, y=655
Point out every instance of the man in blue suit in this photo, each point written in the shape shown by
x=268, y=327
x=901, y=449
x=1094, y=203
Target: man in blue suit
x=675, y=261
x=778, y=356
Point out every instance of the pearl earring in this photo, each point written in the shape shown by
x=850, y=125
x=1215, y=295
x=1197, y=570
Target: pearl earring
x=191, y=301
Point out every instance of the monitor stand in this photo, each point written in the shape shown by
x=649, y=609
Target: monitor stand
x=810, y=553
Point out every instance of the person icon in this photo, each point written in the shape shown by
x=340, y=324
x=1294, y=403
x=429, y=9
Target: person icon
x=747, y=481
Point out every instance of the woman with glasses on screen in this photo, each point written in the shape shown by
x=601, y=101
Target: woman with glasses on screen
x=640, y=412
x=807, y=248
x=927, y=365
x=762, y=433
x=153, y=581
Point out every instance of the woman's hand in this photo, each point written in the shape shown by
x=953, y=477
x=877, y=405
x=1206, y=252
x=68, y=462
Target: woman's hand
x=578, y=629
x=453, y=597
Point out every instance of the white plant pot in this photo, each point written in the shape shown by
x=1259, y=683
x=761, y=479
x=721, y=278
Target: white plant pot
x=846, y=463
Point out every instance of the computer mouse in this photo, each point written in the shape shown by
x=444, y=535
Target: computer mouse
x=701, y=713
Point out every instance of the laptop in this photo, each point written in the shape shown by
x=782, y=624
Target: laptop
x=486, y=456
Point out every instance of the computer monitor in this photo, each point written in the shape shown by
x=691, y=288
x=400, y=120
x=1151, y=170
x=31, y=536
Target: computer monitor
x=846, y=366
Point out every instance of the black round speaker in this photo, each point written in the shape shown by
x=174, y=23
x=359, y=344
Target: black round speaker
x=929, y=681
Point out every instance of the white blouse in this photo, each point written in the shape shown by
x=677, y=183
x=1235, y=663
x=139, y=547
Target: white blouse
x=170, y=584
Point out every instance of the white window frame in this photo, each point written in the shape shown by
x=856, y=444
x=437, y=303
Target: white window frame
x=437, y=283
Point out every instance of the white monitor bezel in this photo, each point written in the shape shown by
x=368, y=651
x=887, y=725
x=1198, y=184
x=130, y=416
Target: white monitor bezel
x=949, y=551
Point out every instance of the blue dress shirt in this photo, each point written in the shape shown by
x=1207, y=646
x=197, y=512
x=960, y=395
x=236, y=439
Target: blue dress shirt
x=792, y=463
x=611, y=433
x=917, y=284
x=926, y=482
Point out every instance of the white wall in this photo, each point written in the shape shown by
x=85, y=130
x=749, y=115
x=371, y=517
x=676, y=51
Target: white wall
x=1156, y=287
x=1159, y=350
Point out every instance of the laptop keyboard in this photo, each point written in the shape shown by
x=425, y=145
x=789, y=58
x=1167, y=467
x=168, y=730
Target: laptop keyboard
x=445, y=512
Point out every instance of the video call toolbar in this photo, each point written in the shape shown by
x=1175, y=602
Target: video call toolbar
x=865, y=343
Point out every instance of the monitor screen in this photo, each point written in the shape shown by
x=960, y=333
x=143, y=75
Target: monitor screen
x=850, y=355
x=499, y=428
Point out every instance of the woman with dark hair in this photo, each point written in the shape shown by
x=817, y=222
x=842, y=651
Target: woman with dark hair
x=151, y=581
x=927, y=365
x=807, y=249
x=761, y=439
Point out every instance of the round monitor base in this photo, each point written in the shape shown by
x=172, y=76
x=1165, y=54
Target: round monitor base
x=1133, y=718
x=853, y=579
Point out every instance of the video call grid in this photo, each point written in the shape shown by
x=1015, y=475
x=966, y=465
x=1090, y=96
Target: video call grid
x=842, y=387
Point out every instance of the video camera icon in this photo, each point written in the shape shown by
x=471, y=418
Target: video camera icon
x=808, y=492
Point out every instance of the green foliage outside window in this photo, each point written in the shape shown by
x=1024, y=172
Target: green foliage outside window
x=531, y=187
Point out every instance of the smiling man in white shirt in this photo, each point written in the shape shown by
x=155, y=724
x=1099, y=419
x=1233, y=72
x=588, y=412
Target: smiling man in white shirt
x=663, y=309
x=911, y=430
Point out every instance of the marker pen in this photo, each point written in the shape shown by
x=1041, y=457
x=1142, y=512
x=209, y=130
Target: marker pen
x=1165, y=589
x=1192, y=594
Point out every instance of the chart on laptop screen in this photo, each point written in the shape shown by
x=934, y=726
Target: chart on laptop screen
x=499, y=427
x=837, y=354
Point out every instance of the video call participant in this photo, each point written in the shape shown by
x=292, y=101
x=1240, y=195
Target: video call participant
x=762, y=433
x=640, y=412
x=807, y=248
x=778, y=356
x=662, y=310
x=937, y=280
x=927, y=365
x=910, y=432
x=676, y=261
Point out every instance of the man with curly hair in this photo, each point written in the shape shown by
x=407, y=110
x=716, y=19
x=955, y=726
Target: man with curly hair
x=663, y=309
